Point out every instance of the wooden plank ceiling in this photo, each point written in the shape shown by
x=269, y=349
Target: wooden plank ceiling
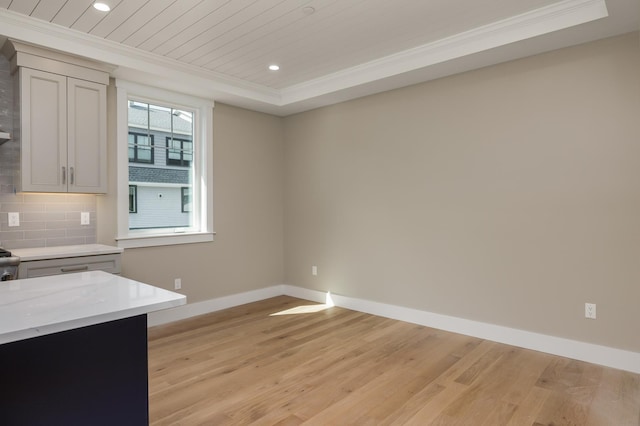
x=309, y=39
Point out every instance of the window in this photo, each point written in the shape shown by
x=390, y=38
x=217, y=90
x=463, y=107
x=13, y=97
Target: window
x=169, y=186
x=133, y=199
x=140, y=148
x=186, y=199
x=179, y=152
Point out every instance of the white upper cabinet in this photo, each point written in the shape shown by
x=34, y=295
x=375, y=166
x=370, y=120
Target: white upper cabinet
x=86, y=136
x=63, y=122
x=64, y=135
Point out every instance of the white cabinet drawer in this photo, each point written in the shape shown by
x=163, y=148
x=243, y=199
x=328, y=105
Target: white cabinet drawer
x=40, y=268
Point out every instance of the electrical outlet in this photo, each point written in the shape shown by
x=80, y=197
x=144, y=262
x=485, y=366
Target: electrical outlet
x=177, y=284
x=85, y=218
x=590, y=310
x=14, y=219
x=314, y=270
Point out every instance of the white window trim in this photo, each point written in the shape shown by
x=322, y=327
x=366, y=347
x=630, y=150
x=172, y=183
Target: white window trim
x=203, y=166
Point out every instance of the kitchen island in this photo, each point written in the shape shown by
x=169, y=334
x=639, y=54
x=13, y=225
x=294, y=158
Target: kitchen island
x=73, y=349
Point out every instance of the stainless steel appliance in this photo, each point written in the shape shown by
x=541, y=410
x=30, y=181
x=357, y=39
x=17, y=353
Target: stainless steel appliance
x=8, y=265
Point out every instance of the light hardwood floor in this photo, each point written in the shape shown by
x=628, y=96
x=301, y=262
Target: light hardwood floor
x=338, y=367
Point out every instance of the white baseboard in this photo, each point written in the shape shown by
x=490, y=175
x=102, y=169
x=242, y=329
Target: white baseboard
x=589, y=352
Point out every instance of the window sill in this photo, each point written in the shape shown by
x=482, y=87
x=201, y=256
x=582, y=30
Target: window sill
x=163, y=240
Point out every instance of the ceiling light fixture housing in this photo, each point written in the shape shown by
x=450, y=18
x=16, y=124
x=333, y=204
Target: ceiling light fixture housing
x=102, y=7
x=274, y=67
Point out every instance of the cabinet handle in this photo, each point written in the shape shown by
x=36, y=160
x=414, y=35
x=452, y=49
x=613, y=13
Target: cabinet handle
x=75, y=268
x=64, y=175
x=71, y=175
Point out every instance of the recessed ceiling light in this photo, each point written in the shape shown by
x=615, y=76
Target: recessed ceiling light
x=274, y=67
x=102, y=7
x=308, y=10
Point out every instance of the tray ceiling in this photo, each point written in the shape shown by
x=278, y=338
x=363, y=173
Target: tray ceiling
x=327, y=50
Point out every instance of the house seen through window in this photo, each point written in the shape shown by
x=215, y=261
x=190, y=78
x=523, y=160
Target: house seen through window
x=140, y=148
x=179, y=151
x=160, y=175
x=133, y=199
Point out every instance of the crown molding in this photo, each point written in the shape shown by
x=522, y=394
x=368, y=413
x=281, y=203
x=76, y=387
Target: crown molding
x=148, y=68
x=559, y=16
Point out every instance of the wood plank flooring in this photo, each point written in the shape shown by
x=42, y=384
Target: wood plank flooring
x=338, y=367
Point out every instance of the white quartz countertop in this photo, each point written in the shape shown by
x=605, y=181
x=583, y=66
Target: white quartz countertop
x=38, y=306
x=61, y=252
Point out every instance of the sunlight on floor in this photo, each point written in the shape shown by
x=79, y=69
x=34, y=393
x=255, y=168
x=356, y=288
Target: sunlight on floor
x=308, y=309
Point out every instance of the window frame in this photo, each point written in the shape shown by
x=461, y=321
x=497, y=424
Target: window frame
x=135, y=198
x=202, y=164
x=182, y=160
x=183, y=205
x=135, y=147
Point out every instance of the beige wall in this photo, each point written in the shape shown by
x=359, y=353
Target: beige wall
x=247, y=253
x=508, y=195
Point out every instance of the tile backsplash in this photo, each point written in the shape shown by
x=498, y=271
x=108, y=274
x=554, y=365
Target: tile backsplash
x=46, y=220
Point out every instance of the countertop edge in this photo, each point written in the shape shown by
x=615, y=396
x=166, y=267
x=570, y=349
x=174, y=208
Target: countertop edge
x=88, y=321
x=34, y=307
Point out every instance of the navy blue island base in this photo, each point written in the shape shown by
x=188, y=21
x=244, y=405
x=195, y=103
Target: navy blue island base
x=94, y=375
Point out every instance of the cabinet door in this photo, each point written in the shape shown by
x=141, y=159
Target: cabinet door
x=43, y=116
x=87, y=136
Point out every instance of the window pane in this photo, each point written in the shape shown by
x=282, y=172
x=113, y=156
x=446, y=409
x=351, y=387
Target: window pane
x=143, y=140
x=132, y=199
x=186, y=199
x=182, y=123
x=144, y=154
x=132, y=152
x=138, y=114
x=141, y=148
x=163, y=199
x=173, y=153
x=160, y=118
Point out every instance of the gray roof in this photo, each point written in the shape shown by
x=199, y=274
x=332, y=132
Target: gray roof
x=158, y=175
